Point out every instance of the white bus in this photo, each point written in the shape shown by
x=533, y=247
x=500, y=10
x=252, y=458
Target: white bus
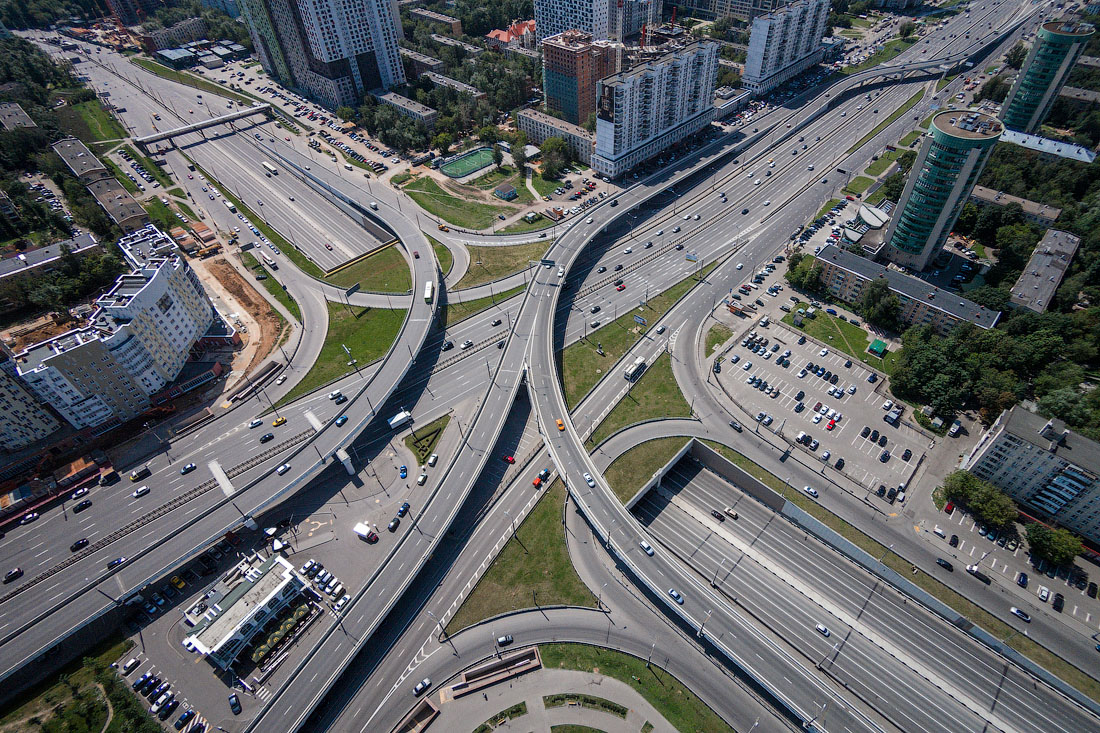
x=269, y=261
x=270, y=169
x=635, y=370
x=428, y=292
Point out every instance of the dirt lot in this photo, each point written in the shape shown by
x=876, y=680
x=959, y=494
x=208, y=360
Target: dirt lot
x=270, y=324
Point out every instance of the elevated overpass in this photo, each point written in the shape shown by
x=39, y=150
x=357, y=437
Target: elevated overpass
x=256, y=108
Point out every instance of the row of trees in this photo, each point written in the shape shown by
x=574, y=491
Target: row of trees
x=43, y=13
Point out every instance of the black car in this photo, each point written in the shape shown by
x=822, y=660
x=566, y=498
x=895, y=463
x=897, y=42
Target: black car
x=151, y=684
x=882, y=441
x=881, y=491
x=601, y=269
x=954, y=540
x=1059, y=602
x=235, y=704
x=679, y=247
x=341, y=399
x=86, y=504
x=168, y=709
x=801, y=340
x=1021, y=580
x=848, y=364
x=906, y=455
x=618, y=283
x=140, y=681
x=1092, y=590
x=865, y=432
x=79, y=544
x=833, y=379
x=945, y=565
x=115, y=563
x=266, y=437
x=884, y=456
x=496, y=322
x=891, y=495
x=874, y=436
x=839, y=463
x=801, y=393
x=717, y=515
x=394, y=524
x=448, y=345
x=618, y=267
x=13, y=574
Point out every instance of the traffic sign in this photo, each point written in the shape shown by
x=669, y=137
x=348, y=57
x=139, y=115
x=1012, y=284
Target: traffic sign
x=547, y=263
x=351, y=291
x=691, y=257
x=641, y=321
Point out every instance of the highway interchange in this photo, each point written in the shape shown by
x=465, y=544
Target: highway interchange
x=915, y=702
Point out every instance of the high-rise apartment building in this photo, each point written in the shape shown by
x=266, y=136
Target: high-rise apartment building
x=572, y=66
x=557, y=16
x=643, y=111
x=135, y=343
x=334, y=52
x=740, y=9
x=132, y=12
x=947, y=166
x=784, y=43
x=1057, y=47
x=23, y=417
x=1051, y=471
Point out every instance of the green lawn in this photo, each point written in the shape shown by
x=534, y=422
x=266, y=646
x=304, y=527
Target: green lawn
x=423, y=440
x=455, y=312
x=400, y=178
x=368, y=332
x=161, y=215
x=910, y=138
x=582, y=366
x=826, y=207
x=272, y=286
x=877, y=197
x=858, y=185
x=155, y=170
x=655, y=394
x=177, y=192
x=492, y=263
x=89, y=122
x=843, y=336
x=889, y=51
x=443, y=256
x=545, y=186
x=878, y=167
x=196, y=82
x=120, y=176
x=1023, y=644
x=385, y=271
x=928, y=120
x=717, y=335
x=521, y=226
x=677, y=704
x=894, y=116
x=499, y=176
x=632, y=469
x=533, y=569
x=466, y=214
x=186, y=210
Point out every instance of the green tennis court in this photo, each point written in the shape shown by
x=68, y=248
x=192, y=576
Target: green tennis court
x=466, y=164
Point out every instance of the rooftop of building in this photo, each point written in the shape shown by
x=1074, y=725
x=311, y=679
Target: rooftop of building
x=1045, y=270
x=1069, y=27
x=76, y=155
x=416, y=55
x=13, y=116
x=912, y=287
x=1051, y=434
x=118, y=202
x=448, y=41
x=967, y=125
x=176, y=54
x=557, y=123
x=1030, y=207
x=425, y=13
x=1045, y=145
x=572, y=39
x=36, y=257
x=405, y=103
x=238, y=603
x=646, y=66
x=446, y=81
x=142, y=246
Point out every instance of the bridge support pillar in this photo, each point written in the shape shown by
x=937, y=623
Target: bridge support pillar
x=343, y=457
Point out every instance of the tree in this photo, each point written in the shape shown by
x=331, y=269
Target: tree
x=1056, y=546
x=555, y=156
x=1016, y=55
x=996, y=89
x=442, y=142
x=488, y=134
x=498, y=156
x=519, y=155
x=893, y=185
x=907, y=29
x=982, y=498
x=879, y=305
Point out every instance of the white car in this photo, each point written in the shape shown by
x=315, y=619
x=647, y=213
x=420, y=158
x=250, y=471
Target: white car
x=646, y=548
x=588, y=480
x=825, y=456
x=628, y=250
x=823, y=352
x=810, y=490
x=1044, y=593
x=282, y=469
x=255, y=423
x=888, y=405
x=817, y=419
x=281, y=379
x=334, y=394
x=822, y=629
x=421, y=686
x=588, y=220
x=740, y=265
x=140, y=492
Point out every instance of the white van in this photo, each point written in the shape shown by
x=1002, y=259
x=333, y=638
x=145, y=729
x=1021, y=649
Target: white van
x=129, y=666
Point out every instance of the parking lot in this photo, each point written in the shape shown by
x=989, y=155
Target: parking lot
x=839, y=415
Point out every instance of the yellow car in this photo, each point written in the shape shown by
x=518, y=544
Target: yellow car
x=278, y=421
x=561, y=425
x=177, y=581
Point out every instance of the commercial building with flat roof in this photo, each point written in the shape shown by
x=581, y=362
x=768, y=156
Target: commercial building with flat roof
x=1040, y=214
x=37, y=262
x=1051, y=471
x=81, y=161
x=461, y=87
x=235, y=615
x=409, y=108
x=453, y=24
x=177, y=58
x=12, y=116
x=643, y=111
x=950, y=159
x=1048, y=148
x=1045, y=270
x=123, y=209
x=572, y=66
x=420, y=62
x=1058, y=45
x=845, y=275
x=540, y=126
x=784, y=43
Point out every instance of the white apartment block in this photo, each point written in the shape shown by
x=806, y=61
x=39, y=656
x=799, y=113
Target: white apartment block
x=643, y=111
x=23, y=417
x=135, y=344
x=1052, y=472
x=784, y=43
x=557, y=16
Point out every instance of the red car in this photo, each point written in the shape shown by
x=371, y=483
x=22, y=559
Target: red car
x=949, y=507
x=416, y=254
x=621, y=288
x=831, y=425
x=509, y=459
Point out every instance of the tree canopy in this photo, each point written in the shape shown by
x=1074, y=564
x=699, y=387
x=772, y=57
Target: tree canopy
x=879, y=305
x=1057, y=546
x=981, y=498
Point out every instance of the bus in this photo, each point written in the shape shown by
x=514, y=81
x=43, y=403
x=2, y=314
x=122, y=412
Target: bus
x=428, y=292
x=229, y=205
x=269, y=261
x=635, y=370
x=270, y=169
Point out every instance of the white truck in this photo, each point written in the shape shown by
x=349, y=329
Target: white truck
x=402, y=418
x=635, y=370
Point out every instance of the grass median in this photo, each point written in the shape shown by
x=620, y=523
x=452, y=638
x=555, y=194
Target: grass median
x=456, y=312
x=858, y=185
x=909, y=103
x=423, y=440
x=582, y=365
x=523, y=225
x=385, y=271
x=452, y=209
x=90, y=122
x=443, y=256
x=193, y=81
x=843, y=336
x=632, y=469
x=654, y=395
x=889, y=51
x=910, y=137
x=681, y=707
x=717, y=335
x=368, y=332
x=533, y=569
x=492, y=263
x=878, y=167
x=272, y=286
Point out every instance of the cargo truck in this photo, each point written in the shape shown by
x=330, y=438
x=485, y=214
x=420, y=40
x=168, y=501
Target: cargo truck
x=402, y=418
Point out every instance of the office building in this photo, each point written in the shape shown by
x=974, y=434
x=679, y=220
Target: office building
x=1037, y=213
x=136, y=342
x=630, y=16
x=177, y=34
x=23, y=417
x=845, y=275
x=245, y=605
x=13, y=117
x=557, y=16
x=409, y=108
x=1045, y=270
x=454, y=25
x=333, y=52
x=1051, y=471
x=1058, y=44
x=785, y=43
x=950, y=159
x=643, y=111
x=540, y=126
x=572, y=66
